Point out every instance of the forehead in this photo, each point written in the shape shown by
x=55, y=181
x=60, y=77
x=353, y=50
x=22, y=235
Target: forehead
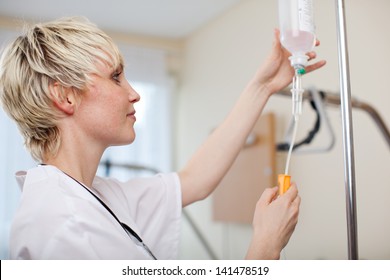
x=104, y=67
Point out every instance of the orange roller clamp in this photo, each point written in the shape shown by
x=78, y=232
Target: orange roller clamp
x=284, y=183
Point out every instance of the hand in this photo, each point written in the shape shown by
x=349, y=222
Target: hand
x=276, y=72
x=273, y=223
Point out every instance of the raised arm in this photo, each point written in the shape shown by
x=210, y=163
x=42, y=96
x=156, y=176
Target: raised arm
x=212, y=160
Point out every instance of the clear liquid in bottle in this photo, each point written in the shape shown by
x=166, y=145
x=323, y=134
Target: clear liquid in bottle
x=297, y=30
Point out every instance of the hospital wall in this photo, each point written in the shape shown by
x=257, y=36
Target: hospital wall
x=221, y=57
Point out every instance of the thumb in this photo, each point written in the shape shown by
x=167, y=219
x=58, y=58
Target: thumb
x=276, y=36
x=268, y=195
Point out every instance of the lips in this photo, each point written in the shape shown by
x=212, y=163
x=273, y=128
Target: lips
x=131, y=115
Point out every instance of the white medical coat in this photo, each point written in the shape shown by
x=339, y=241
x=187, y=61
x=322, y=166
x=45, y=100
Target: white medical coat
x=59, y=219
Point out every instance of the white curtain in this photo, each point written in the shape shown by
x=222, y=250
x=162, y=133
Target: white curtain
x=146, y=71
x=13, y=157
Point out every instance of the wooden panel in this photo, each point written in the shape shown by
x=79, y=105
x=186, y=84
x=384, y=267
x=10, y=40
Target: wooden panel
x=253, y=171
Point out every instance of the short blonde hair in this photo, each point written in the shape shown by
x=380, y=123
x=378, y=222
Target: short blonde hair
x=66, y=51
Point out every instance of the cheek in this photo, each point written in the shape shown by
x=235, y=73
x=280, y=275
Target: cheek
x=103, y=112
x=102, y=105
x=111, y=118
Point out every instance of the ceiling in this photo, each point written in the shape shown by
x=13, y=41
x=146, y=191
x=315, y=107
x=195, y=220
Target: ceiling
x=160, y=18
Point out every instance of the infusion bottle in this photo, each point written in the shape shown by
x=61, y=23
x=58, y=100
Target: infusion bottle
x=297, y=30
x=297, y=35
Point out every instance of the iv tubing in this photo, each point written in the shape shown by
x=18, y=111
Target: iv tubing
x=294, y=135
x=297, y=93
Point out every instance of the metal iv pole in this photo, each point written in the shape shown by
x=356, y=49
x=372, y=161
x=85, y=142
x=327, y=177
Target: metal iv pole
x=346, y=112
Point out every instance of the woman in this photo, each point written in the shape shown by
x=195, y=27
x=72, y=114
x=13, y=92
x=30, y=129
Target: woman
x=63, y=83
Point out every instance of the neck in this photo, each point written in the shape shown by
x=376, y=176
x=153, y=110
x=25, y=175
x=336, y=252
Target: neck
x=79, y=160
x=82, y=172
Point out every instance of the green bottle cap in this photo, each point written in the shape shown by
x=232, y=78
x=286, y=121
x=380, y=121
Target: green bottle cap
x=301, y=71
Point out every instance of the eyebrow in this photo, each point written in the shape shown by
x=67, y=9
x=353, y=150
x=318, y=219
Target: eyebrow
x=120, y=68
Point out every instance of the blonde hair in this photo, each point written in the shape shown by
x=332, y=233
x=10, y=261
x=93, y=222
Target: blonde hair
x=66, y=51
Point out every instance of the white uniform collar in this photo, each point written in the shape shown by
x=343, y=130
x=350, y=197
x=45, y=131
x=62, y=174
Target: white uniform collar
x=20, y=178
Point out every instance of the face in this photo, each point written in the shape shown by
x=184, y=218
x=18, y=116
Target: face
x=106, y=110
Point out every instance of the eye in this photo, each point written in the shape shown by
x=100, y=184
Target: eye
x=116, y=76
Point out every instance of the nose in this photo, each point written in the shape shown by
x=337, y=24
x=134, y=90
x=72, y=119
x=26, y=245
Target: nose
x=134, y=97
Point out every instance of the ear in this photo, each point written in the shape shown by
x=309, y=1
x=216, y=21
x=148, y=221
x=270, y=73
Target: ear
x=64, y=99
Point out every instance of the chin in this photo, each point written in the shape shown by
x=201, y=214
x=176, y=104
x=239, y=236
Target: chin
x=129, y=141
x=123, y=142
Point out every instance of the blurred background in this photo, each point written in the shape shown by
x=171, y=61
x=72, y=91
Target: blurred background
x=189, y=60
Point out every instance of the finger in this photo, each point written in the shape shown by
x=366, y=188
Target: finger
x=311, y=55
x=317, y=43
x=297, y=201
x=315, y=66
x=277, y=44
x=292, y=192
x=277, y=34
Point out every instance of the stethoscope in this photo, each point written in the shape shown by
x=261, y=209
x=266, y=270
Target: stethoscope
x=130, y=232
